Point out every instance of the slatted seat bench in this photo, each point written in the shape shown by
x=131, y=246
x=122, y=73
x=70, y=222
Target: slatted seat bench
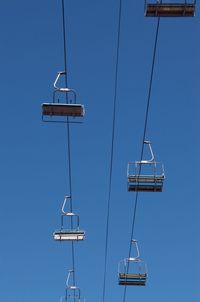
x=63, y=235
x=132, y=279
x=169, y=10
x=59, y=109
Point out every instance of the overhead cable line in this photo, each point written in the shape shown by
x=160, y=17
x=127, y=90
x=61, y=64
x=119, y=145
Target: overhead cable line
x=143, y=139
x=112, y=147
x=68, y=129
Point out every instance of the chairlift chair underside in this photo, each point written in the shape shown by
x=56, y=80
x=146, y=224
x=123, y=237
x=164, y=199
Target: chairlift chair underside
x=132, y=279
x=145, y=183
x=60, y=109
x=62, y=235
x=169, y=10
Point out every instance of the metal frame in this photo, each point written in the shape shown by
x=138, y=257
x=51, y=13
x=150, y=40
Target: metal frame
x=145, y=182
x=62, y=89
x=76, y=293
x=55, y=104
x=135, y=279
x=69, y=234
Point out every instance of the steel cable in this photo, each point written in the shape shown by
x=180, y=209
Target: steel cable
x=68, y=129
x=112, y=148
x=143, y=139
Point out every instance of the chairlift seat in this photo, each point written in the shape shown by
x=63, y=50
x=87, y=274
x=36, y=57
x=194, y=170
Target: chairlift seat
x=146, y=178
x=60, y=109
x=169, y=10
x=145, y=175
x=62, y=235
x=145, y=183
x=132, y=279
x=144, y=188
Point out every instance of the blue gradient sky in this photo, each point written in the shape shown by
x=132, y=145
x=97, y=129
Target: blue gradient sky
x=34, y=176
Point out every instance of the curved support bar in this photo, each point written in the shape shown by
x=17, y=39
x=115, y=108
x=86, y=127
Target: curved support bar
x=151, y=151
x=133, y=241
x=60, y=73
x=62, y=89
x=68, y=277
x=64, y=203
x=69, y=214
x=74, y=288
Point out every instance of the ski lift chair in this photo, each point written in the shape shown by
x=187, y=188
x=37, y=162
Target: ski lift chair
x=145, y=175
x=70, y=234
x=56, y=111
x=138, y=274
x=167, y=9
x=73, y=292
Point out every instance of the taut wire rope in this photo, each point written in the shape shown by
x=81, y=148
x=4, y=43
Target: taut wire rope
x=112, y=148
x=143, y=139
x=68, y=129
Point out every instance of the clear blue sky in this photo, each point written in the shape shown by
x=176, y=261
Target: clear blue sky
x=34, y=176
